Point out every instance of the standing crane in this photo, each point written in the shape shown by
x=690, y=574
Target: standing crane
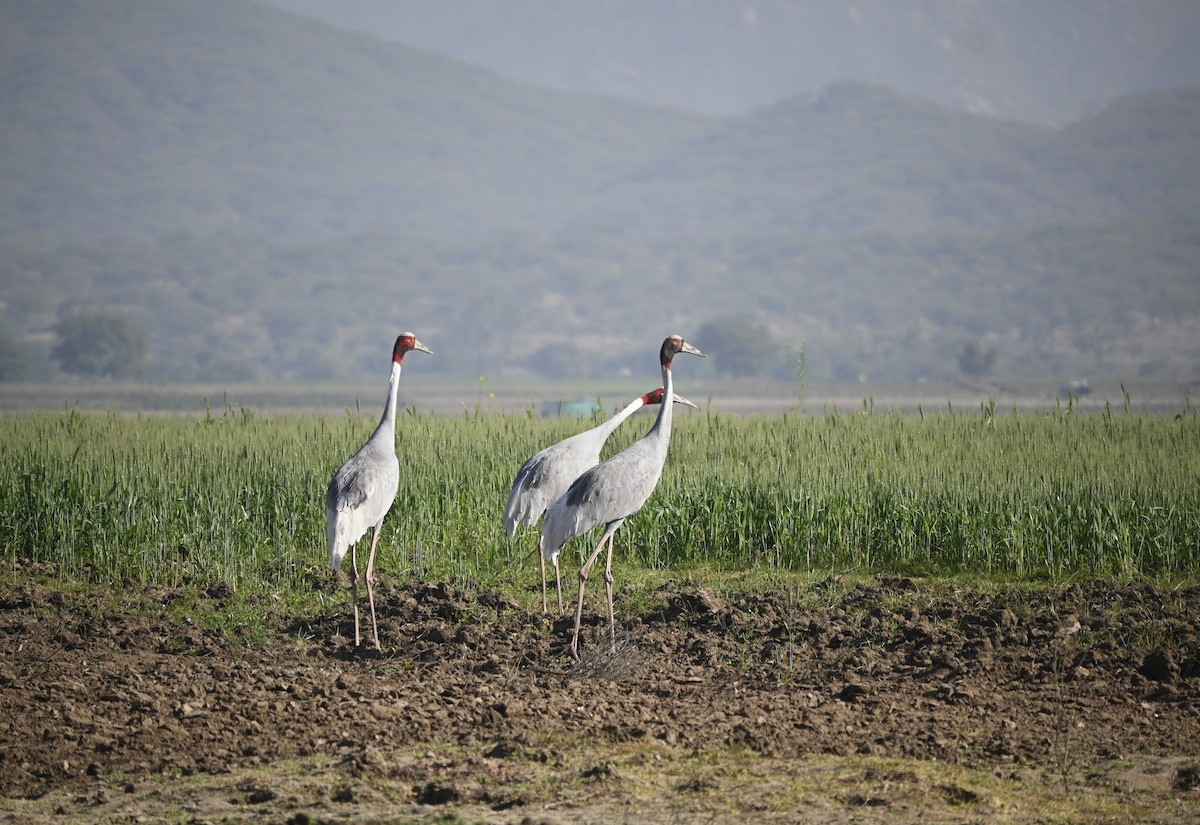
x=612, y=491
x=548, y=474
x=362, y=491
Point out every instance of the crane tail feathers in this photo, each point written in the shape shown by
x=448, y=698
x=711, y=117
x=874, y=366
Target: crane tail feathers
x=338, y=541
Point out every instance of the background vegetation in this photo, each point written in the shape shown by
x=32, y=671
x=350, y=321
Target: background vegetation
x=238, y=498
x=262, y=196
x=1121, y=299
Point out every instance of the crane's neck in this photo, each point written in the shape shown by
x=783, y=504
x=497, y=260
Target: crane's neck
x=662, y=425
x=608, y=427
x=386, y=431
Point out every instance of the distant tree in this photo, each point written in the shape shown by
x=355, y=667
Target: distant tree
x=738, y=346
x=16, y=361
x=96, y=344
x=976, y=360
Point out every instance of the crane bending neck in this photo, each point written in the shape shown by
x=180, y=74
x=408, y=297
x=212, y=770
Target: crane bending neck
x=610, y=426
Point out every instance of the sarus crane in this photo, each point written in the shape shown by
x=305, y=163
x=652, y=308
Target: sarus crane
x=548, y=473
x=612, y=491
x=362, y=491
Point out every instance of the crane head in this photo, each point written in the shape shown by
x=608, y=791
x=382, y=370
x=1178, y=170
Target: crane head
x=656, y=397
x=673, y=345
x=406, y=342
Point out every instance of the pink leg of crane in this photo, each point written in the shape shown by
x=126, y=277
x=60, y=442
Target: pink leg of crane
x=583, y=574
x=354, y=590
x=370, y=589
x=558, y=585
x=608, y=589
x=557, y=579
x=542, y=559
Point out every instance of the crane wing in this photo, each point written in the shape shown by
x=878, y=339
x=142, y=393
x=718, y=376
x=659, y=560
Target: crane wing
x=358, y=497
x=363, y=483
x=614, y=489
x=349, y=489
x=522, y=506
x=545, y=477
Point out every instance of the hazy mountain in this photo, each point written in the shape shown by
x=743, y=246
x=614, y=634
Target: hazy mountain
x=861, y=158
x=139, y=118
x=265, y=194
x=1031, y=60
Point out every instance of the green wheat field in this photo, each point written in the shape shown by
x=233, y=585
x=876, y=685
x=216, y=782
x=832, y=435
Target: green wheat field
x=238, y=497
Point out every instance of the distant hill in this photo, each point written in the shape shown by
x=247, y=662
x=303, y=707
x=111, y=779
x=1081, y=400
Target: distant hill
x=864, y=158
x=266, y=195
x=144, y=118
x=1028, y=60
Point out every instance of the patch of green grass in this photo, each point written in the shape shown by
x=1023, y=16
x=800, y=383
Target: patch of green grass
x=747, y=501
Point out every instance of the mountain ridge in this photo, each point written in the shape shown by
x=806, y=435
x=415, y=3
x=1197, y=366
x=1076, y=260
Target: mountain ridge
x=1024, y=60
x=264, y=194
x=125, y=119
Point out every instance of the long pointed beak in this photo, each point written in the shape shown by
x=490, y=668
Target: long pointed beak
x=679, y=399
x=417, y=345
x=688, y=348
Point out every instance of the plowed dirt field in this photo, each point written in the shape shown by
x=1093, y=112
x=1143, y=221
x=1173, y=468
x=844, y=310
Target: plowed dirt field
x=887, y=701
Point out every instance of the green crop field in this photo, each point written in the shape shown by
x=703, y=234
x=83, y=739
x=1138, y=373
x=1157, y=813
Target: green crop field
x=238, y=498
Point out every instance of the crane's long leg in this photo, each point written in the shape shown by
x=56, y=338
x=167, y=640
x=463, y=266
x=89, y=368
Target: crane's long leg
x=558, y=584
x=557, y=578
x=542, y=559
x=354, y=590
x=370, y=589
x=608, y=589
x=583, y=574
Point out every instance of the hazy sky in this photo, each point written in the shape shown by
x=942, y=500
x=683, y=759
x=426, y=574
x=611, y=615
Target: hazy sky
x=1047, y=61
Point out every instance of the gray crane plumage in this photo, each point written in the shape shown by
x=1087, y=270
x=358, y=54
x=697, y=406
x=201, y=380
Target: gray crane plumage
x=612, y=491
x=362, y=491
x=548, y=473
